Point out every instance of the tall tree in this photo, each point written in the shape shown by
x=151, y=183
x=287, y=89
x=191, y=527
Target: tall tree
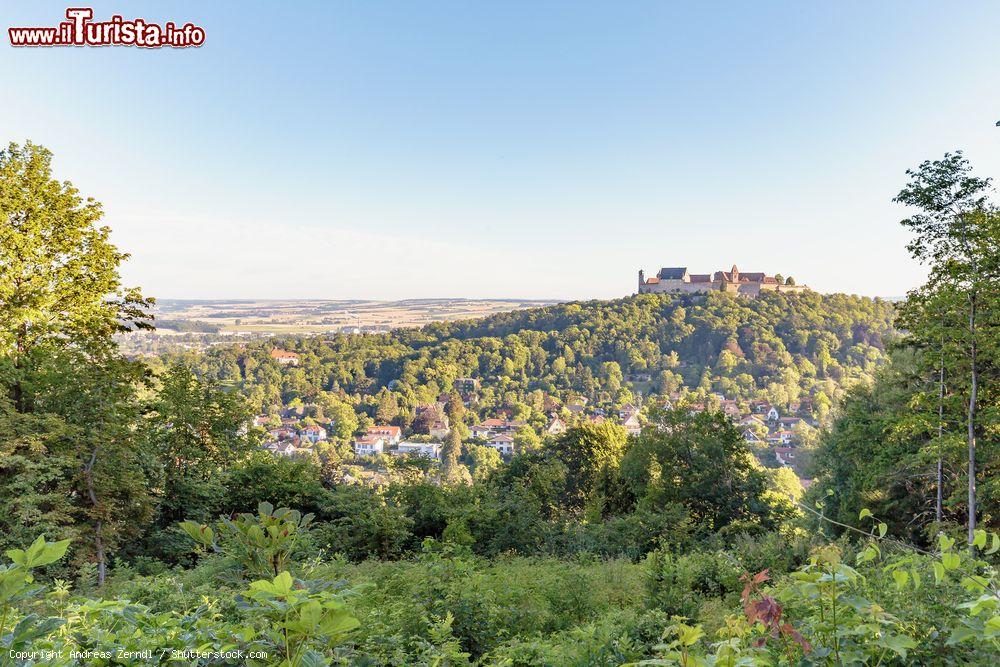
x=61, y=302
x=957, y=232
x=59, y=280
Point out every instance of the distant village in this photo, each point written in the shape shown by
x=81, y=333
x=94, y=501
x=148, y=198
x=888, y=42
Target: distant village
x=770, y=433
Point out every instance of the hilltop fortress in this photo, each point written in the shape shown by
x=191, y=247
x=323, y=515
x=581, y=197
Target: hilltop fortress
x=677, y=279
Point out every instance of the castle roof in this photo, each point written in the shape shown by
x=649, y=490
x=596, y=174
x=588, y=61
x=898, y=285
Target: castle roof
x=672, y=273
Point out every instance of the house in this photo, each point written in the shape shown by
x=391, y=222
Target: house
x=286, y=448
x=284, y=357
x=780, y=437
x=627, y=411
x=313, y=433
x=502, y=443
x=369, y=445
x=480, y=431
x=391, y=434
x=556, y=427
x=790, y=423
x=493, y=426
x=750, y=436
x=785, y=456
x=772, y=414
x=431, y=450
x=751, y=421
x=262, y=420
x=632, y=424
x=440, y=428
x=731, y=409
x=282, y=433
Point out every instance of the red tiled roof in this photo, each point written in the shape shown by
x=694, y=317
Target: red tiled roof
x=384, y=430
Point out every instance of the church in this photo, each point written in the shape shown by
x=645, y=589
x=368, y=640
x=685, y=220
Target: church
x=677, y=279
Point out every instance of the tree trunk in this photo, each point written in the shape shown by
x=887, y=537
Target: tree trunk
x=973, y=395
x=940, y=457
x=88, y=472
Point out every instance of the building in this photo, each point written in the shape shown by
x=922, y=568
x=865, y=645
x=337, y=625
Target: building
x=679, y=280
x=556, y=427
x=494, y=426
x=391, y=434
x=785, y=456
x=313, y=434
x=440, y=428
x=286, y=448
x=284, y=357
x=369, y=445
x=631, y=424
x=502, y=443
x=431, y=450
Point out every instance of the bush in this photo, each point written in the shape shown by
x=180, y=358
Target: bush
x=680, y=584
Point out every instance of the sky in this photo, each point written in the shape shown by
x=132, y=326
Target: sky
x=392, y=150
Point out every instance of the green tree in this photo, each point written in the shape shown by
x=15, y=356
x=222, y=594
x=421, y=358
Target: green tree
x=59, y=280
x=450, y=472
x=957, y=233
x=592, y=454
x=701, y=462
x=198, y=431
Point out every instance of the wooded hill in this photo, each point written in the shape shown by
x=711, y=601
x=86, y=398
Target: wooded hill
x=778, y=348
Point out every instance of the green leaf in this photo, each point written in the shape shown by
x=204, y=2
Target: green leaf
x=994, y=544
x=938, y=572
x=951, y=561
x=882, y=529
x=52, y=552
x=961, y=634
x=979, y=539
x=898, y=644
x=901, y=577
x=864, y=513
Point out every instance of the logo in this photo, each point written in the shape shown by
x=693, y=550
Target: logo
x=81, y=30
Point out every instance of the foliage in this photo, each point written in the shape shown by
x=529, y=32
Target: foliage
x=263, y=544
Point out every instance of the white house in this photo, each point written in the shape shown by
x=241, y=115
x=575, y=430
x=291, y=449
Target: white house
x=369, y=445
x=431, y=450
x=556, y=427
x=391, y=434
x=313, y=434
x=502, y=443
x=632, y=424
x=284, y=357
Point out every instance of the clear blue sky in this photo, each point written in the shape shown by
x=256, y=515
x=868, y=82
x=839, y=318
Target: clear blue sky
x=506, y=149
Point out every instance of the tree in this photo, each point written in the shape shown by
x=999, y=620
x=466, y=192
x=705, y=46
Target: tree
x=701, y=462
x=198, y=431
x=592, y=454
x=957, y=233
x=61, y=302
x=450, y=472
x=484, y=460
x=59, y=280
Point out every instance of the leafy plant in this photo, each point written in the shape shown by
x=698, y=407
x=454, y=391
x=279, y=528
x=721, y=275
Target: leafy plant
x=263, y=543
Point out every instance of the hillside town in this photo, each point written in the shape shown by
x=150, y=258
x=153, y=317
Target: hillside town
x=773, y=435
